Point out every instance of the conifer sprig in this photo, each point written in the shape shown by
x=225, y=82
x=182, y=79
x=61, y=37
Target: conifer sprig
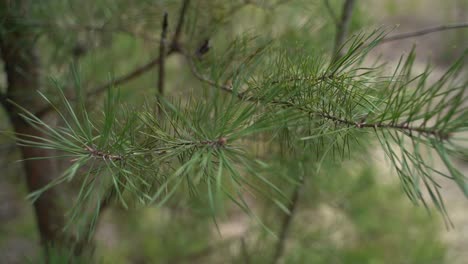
x=405, y=111
x=321, y=105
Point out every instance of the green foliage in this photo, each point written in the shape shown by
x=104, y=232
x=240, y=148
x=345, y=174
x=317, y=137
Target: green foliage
x=317, y=101
x=258, y=98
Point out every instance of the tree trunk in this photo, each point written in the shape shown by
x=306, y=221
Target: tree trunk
x=22, y=69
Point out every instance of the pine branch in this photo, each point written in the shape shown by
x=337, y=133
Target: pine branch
x=424, y=32
x=404, y=127
x=347, y=98
x=191, y=143
x=112, y=158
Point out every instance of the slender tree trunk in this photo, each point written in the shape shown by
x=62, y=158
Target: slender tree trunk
x=22, y=70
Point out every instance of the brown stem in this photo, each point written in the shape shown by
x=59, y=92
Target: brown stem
x=103, y=155
x=342, y=27
x=424, y=32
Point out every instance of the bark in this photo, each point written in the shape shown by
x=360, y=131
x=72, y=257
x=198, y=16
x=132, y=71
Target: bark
x=22, y=70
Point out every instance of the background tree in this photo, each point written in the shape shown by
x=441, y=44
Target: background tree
x=22, y=68
x=249, y=110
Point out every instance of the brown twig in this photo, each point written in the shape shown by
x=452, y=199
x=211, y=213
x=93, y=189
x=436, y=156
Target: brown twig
x=128, y=77
x=199, y=76
x=342, y=27
x=424, y=32
x=102, y=155
x=402, y=126
x=180, y=23
x=118, y=81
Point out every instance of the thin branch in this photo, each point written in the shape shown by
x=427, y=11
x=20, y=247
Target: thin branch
x=331, y=11
x=402, y=127
x=180, y=24
x=424, y=32
x=102, y=155
x=342, y=27
x=199, y=76
x=115, y=82
x=286, y=224
x=162, y=56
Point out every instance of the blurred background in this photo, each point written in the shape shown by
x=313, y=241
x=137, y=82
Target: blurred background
x=357, y=213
